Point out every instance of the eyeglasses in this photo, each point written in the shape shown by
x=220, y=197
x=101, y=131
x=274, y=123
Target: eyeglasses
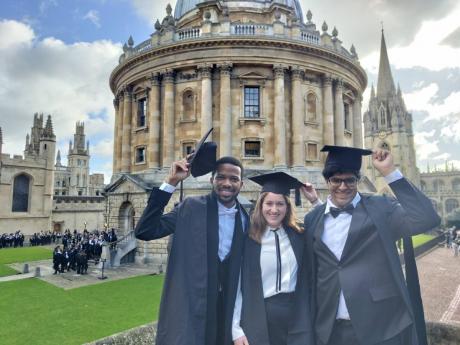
x=349, y=182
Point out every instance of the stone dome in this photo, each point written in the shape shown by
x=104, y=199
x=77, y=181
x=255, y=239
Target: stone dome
x=185, y=6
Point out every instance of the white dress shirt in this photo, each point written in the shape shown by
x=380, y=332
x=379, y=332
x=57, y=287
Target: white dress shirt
x=226, y=223
x=268, y=261
x=336, y=232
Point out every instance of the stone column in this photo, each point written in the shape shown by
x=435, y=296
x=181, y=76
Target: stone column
x=116, y=105
x=279, y=118
x=168, y=120
x=339, y=120
x=357, y=122
x=298, y=150
x=119, y=138
x=126, y=140
x=225, y=110
x=206, y=98
x=328, y=111
x=153, y=149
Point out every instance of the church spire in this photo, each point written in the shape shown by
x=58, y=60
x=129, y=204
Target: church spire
x=385, y=84
x=1, y=140
x=58, y=159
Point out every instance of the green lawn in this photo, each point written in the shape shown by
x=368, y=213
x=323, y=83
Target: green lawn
x=26, y=254
x=35, y=312
x=418, y=240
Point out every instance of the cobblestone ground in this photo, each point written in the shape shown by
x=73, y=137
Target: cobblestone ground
x=440, y=284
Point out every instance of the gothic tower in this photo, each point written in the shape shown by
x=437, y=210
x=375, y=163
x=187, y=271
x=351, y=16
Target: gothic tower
x=78, y=161
x=1, y=141
x=47, y=150
x=388, y=124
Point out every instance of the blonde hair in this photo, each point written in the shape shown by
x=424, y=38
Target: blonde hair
x=259, y=224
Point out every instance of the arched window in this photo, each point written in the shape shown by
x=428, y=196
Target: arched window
x=423, y=185
x=438, y=185
x=383, y=120
x=21, y=187
x=311, y=107
x=188, y=105
x=456, y=185
x=451, y=204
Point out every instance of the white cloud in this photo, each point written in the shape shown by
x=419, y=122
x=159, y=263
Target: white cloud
x=14, y=34
x=427, y=48
x=425, y=100
x=93, y=17
x=442, y=156
x=68, y=81
x=45, y=4
x=426, y=145
x=152, y=10
x=103, y=148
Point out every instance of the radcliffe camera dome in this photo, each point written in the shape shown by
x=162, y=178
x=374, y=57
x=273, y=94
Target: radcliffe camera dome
x=185, y=6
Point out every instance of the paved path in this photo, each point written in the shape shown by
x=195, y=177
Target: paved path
x=71, y=280
x=440, y=284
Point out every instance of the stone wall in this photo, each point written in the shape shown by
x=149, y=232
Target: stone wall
x=438, y=334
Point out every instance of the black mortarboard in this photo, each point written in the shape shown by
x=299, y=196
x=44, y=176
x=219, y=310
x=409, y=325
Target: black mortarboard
x=279, y=183
x=203, y=159
x=344, y=158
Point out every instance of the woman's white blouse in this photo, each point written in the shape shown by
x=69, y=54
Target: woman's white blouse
x=268, y=268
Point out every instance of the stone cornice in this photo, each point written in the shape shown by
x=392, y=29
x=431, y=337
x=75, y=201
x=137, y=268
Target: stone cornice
x=296, y=46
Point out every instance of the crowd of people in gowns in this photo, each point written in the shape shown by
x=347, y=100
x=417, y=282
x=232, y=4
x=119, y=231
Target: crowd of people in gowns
x=78, y=248
x=12, y=240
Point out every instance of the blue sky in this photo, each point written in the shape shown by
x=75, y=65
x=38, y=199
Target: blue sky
x=56, y=57
x=79, y=20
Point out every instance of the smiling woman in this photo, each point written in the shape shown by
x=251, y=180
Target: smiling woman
x=272, y=291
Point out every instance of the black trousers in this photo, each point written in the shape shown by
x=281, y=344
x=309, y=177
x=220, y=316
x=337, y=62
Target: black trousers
x=221, y=299
x=278, y=309
x=344, y=334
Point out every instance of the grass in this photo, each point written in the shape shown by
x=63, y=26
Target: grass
x=25, y=254
x=35, y=312
x=418, y=240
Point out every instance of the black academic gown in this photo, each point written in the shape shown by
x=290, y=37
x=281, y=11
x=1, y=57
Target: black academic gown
x=253, y=316
x=369, y=271
x=185, y=303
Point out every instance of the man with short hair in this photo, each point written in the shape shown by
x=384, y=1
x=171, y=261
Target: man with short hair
x=359, y=289
x=203, y=266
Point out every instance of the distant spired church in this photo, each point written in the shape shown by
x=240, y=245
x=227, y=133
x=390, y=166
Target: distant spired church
x=38, y=195
x=274, y=86
x=75, y=178
x=388, y=124
x=26, y=182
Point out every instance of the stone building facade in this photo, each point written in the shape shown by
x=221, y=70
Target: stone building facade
x=274, y=88
x=78, y=201
x=443, y=188
x=39, y=195
x=26, y=182
x=75, y=179
x=388, y=124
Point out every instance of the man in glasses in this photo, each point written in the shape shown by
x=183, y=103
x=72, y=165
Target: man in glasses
x=359, y=292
